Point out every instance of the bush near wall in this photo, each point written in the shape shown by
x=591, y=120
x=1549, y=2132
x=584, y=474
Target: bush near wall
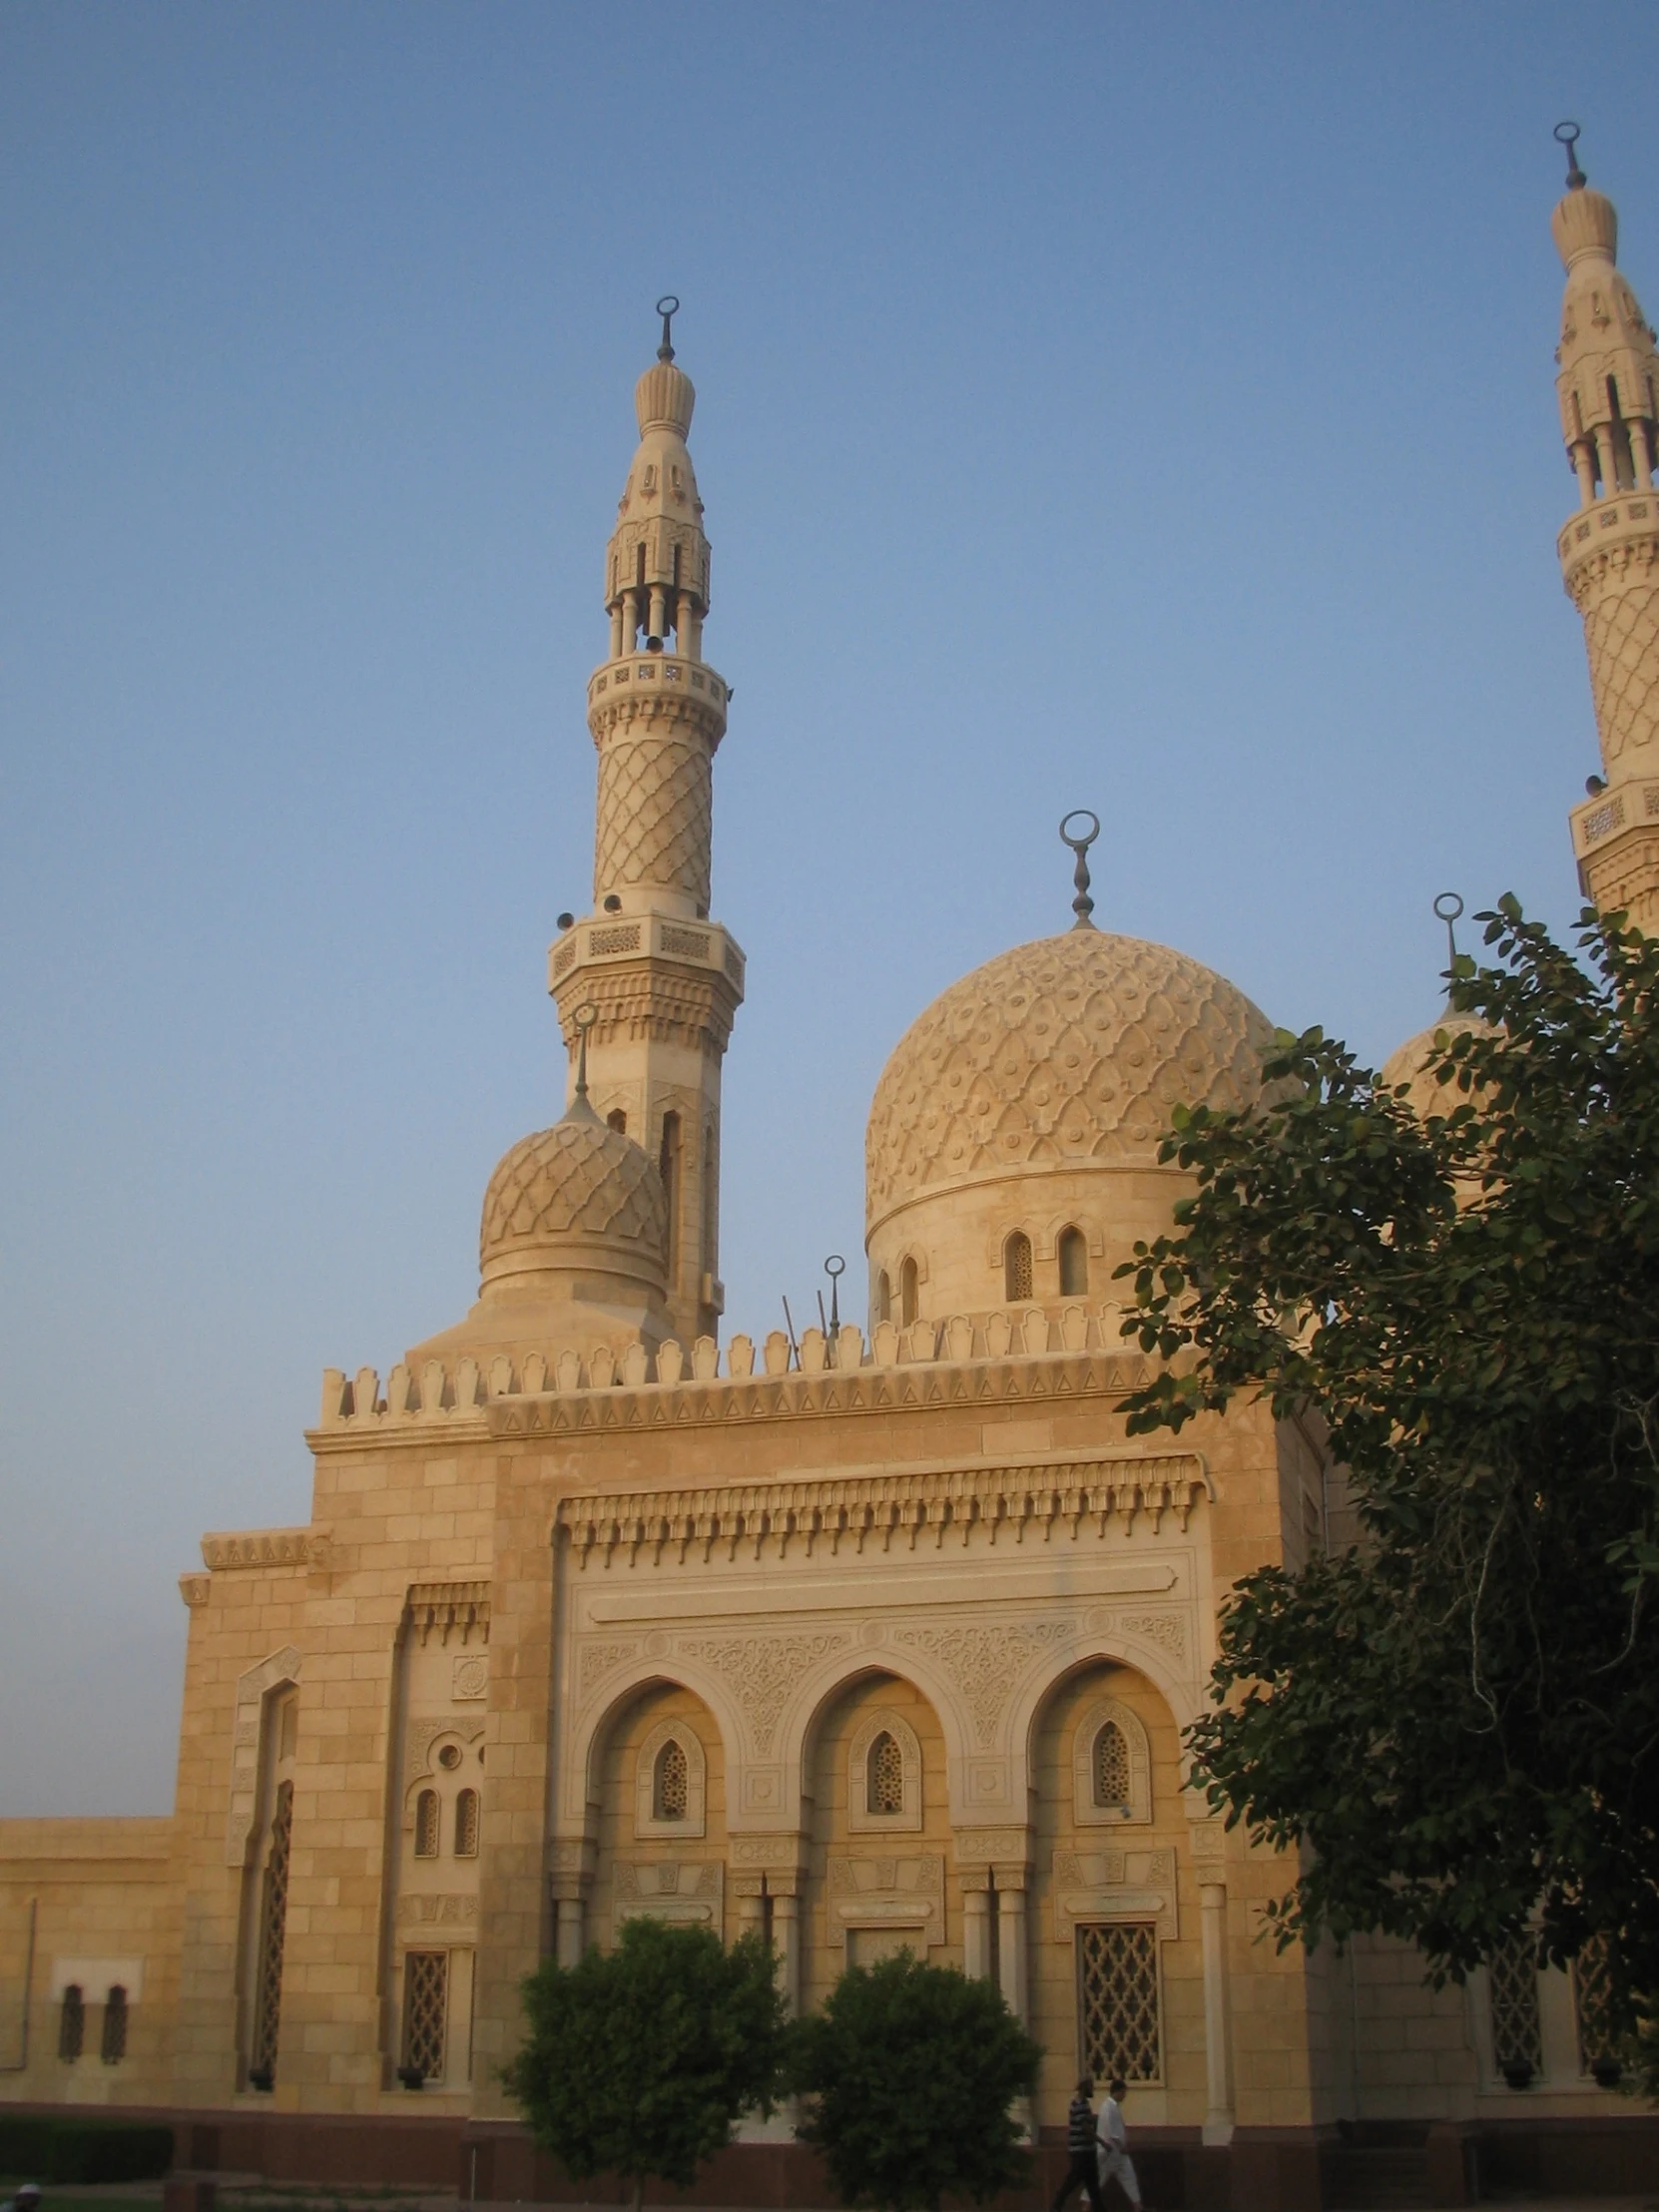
x=81, y=2150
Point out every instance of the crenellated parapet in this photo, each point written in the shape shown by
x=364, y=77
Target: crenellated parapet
x=1003, y=1356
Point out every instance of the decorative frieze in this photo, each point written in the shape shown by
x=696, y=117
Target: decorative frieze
x=265, y=1547
x=761, y=1671
x=670, y=1890
x=1096, y=1496
x=435, y=1909
x=458, y=1612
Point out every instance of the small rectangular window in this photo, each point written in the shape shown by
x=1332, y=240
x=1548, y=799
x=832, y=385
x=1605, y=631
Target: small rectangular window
x=425, y=2010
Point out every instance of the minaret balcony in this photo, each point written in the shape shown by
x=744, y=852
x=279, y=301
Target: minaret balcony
x=609, y=941
x=1614, y=525
x=1610, y=814
x=661, y=673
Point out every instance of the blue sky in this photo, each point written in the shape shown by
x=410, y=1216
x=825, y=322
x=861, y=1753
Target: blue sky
x=1147, y=410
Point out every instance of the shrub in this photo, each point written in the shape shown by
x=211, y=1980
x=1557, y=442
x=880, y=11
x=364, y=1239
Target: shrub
x=914, y=2071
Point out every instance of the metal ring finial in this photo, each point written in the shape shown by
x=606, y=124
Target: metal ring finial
x=1567, y=134
x=1448, y=906
x=1082, y=905
x=668, y=308
x=835, y=1267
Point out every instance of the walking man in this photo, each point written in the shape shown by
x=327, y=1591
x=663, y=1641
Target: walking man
x=1115, y=2161
x=1082, y=2173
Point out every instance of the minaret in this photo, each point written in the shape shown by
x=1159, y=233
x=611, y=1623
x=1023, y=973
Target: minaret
x=664, y=979
x=1608, y=386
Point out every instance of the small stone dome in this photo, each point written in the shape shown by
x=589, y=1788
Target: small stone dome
x=1415, y=1060
x=570, y=1191
x=664, y=400
x=1068, y=1052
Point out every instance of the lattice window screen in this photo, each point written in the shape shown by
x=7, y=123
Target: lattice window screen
x=274, y=1912
x=466, y=1825
x=1111, y=1766
x=1016, y=1265
x=1590, y=1994
x=427, y=1825
x=885, y=1788
x=1120, y=2031
x=72, y=2023
x=1512, y=1974
x=672, y=1783
x=113, y=2048
x=425, y=2003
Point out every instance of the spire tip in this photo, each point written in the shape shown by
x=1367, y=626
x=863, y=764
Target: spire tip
x=668, y=308
x=1082, y=905
x=1566, y=133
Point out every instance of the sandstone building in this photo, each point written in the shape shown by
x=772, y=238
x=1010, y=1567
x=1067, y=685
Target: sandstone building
x=878, y=1638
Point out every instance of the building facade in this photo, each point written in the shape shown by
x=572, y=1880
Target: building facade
x=878, y=1638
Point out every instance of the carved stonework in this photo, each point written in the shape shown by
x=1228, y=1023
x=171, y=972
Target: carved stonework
x=986, y=1661
x=670, y=1890
x=426, y=1909
x=1167, y=1630
x=257, y=1547
x=874, y=1512
x=1112, y=1884
x=900, y=1890
x=599, y=1660
x=470, y=1677
x=194, y=1590
x=761, y=1671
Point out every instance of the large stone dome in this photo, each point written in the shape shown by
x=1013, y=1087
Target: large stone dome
x=1068, y=1052
x=577, y=1189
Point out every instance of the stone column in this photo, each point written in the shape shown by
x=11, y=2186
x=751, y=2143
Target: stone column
x=569, y=1937
x=976, y=1921
x=1639, y=453
x=1010, y=1937
x=786, y=1942
x=1607, y=455
x=750, y=1893
x=1218, y=2117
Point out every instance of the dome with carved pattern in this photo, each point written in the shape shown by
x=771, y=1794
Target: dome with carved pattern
x=1067, y=1052
x=577, y=1189
x=1415, y=1061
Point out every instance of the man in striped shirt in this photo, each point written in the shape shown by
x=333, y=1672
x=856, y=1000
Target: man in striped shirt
x=1083, y=2172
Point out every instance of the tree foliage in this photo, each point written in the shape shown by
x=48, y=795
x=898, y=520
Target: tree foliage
x=639, y=2059
x=1458, y=1717
x=914, y=2071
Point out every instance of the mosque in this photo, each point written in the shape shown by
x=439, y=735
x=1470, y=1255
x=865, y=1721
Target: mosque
x=877, y=1636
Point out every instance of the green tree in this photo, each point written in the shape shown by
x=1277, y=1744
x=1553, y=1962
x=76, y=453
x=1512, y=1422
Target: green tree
x=1458, y=1719
x=914, y=2071
x=639, y=2059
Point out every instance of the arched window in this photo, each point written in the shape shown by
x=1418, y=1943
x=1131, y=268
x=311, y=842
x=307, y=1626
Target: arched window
x=617, y=1119
x=884, y=1296
x=907, y=1294
x=114, y=2048
x=668, y=1167
x=1017, y=1268
x=884, y=1792
x=72, y=2023
x=671, y=1784
x=1111, y=1767
x=466, y=1825
x=1074, y=1263
x=427, y=1825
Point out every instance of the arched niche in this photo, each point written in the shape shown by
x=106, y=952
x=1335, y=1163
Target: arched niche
x=1111, y=1767
x=671, y=1781
x=868, y=1765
